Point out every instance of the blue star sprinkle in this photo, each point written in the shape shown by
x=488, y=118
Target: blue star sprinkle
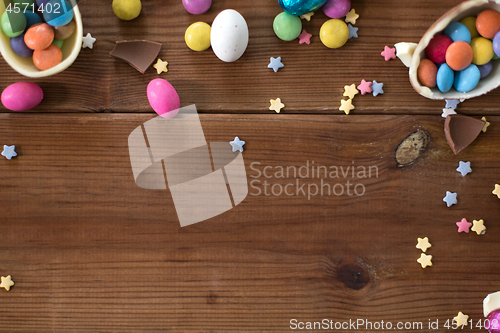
x=450, y=198
x=9, y=152
x=377, y=88
x=452, y=103
x=237, y=144
x=464, y=168
x=275, y=64
x=353, y=32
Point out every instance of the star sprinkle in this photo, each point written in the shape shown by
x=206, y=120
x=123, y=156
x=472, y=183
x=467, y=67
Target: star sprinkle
x=276, y=105
x=365, y=87
x=8, y=151
x=388, y=53
x=463, y=226
x=275, y=64
x=307, y=16
x=478, y=227
x=351, y=17
x=161, y=66
x=464, y=168
x=237, y=145
x=377, y=88
x=448, y=112
x=450, y=198
x=425, y=260
x=486, y=124
x=461, y=319
x=496, y=191
x=350, y=91
x=353, y=32
x=88, y=41
x=346, y=106
x=6, y=282
x=423, y=244
x=304, y=37
x=452, y=103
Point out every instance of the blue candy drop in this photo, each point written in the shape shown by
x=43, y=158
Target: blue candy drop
x=31, y=18
x=444, y=78
x=467, y=79
x=485, y=69
x=457, y=32
x=58, y=12
x=19, y=47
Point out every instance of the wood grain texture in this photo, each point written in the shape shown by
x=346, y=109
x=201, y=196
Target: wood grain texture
x=311, y=82
x=92, y=252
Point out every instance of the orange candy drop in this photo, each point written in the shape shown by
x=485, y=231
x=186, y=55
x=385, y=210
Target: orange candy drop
x=488, y=23
x=427, y=73
x=39, y=36
x=48, y=58
x=459, y=55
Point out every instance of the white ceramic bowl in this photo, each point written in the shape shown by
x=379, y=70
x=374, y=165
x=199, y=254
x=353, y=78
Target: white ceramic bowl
x=468, y=8
x=70, y=50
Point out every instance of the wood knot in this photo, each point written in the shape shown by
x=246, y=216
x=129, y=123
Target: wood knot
x=353, y=276
x=412, y=147
x=211, y=298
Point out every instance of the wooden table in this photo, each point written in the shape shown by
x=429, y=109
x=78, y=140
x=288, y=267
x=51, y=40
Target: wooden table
x=90, y=251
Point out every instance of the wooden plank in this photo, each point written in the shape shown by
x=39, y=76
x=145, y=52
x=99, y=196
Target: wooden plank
x=311, y=82
x=92, y=252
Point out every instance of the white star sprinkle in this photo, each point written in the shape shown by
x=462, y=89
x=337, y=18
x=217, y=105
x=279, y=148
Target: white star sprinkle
x=237, y=144
x=88, y=41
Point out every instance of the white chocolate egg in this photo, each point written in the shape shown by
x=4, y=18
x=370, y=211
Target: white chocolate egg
x=229, y=35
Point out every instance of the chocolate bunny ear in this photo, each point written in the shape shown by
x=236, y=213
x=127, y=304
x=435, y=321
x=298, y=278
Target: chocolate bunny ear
x=140, y=54
x=465, y=9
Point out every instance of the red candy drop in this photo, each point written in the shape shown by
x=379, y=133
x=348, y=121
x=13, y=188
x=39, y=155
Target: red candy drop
x=436, y=50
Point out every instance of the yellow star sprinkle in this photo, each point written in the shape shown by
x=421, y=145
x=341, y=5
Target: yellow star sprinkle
x=496, y=191
x=423, y=244
x=351, y=17
x=6, y=282
x=346, y=106
x=461, y=319
x=307, y=16
x=487, y=123
x=478, y=226
x=276, y=105
x=425, y=260
x=161, y=66
x=350, y=91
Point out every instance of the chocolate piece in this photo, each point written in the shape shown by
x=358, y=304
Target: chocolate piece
x=461, y=131
x=140, y=54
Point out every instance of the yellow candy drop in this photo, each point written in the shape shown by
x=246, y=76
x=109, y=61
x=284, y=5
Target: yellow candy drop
x=197, y=36
x=482, y=50
x=334, y=33
x=127, y=9
x=470, y=23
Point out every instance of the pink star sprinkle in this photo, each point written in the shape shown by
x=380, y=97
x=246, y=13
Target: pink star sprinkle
x=389, y=53
x=463, y=226
x=365, y=87
x=304, y=37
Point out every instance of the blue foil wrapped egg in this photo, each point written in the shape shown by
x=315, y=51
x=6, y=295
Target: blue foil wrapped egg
x=300, y=7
